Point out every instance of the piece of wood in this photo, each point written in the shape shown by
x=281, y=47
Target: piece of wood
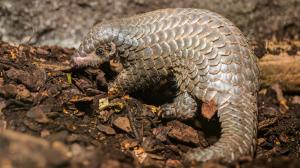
x=283, y=69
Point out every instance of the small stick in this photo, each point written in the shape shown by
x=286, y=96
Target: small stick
x=131, y=120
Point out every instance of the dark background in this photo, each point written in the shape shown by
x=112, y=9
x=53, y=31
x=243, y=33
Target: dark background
x=64, y=22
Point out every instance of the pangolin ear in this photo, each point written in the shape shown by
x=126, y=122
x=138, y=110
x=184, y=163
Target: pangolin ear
x=112, y=48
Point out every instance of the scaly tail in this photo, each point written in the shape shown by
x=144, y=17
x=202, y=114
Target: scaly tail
x=238, y=117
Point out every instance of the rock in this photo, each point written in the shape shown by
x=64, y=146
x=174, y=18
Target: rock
x=23, y=93
x=283, y=138
x=45, y=133
x=183, y=133
x=78, y=138
x=18, y=91
x=8, y=90
x=33, y=81
x=161, y=133
x=93, y=92
x=32, y=125
x=58, y=136
x=123, y=124
x=38, y=113
x=106, y=129
x=105, y=115
x=208, y=109
x=129, y=144
x=29, y=151
x=151, y=162
x=152, y=145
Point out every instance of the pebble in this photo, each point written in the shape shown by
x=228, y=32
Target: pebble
x=23, y=93
x=8, y=90
x=33, y=81
x=123, y=124
x=106, y=129
x=38, y=113
x=183, y=133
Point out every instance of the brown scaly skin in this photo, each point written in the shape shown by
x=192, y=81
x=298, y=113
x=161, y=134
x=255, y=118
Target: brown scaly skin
x=204, y=52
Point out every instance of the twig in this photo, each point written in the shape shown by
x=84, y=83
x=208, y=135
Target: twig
x=132, y=123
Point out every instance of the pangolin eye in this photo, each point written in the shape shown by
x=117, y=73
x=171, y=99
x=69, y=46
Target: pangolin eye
x=100, y=51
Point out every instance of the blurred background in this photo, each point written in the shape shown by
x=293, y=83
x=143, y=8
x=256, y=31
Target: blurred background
x=64, y=22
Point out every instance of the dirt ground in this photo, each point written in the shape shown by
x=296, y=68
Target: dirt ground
x=54, y=116
x=61, y=108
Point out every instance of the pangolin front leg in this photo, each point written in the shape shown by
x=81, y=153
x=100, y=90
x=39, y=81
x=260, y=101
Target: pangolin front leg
x=130, y=80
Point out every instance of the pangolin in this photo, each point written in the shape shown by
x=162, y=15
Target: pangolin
x=205, y=53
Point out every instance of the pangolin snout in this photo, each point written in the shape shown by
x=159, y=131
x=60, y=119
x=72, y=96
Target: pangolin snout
x=77, y=59
x=83, y=59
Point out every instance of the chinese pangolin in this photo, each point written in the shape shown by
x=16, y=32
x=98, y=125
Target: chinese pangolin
x=203, y=52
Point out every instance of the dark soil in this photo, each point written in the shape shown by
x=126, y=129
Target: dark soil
x=41, y=96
